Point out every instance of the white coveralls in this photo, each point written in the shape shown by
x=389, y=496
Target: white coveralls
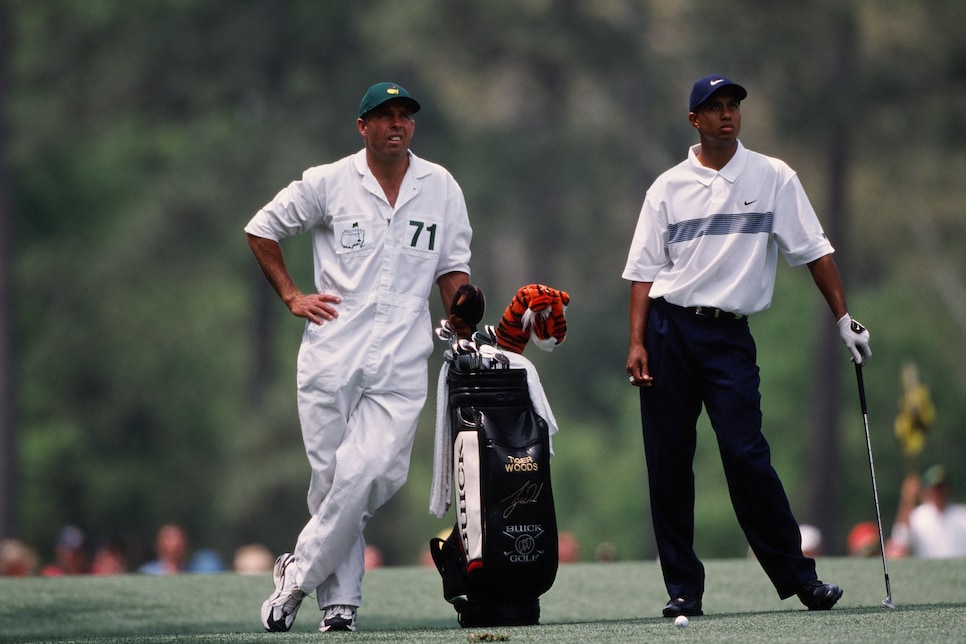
x=362, y=377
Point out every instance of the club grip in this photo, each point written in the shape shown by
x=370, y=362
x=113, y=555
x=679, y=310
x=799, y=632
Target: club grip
x=858, y=378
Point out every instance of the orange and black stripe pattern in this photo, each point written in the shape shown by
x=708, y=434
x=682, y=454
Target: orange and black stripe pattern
x=536, y=312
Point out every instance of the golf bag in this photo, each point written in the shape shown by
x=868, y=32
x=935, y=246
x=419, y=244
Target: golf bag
x=502, y=553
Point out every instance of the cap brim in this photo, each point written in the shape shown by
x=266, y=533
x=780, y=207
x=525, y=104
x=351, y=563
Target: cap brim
x=412, y=102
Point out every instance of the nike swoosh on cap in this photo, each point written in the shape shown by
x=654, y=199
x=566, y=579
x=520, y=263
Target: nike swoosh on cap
x=715, y=82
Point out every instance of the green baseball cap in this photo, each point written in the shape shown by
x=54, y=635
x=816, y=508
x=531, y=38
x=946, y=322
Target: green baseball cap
x=382, y=92
x=935, y=475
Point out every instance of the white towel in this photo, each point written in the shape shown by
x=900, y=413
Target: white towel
x=440, y=492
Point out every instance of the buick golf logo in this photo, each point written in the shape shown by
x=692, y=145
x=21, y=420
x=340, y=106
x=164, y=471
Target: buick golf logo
x=524, y=542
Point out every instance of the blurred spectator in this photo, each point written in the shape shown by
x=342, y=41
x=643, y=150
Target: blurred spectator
x=864, y=540
x=17, y=559
x=372, y=557
x=811, y=540
x=110, y=558
x=568, y=547
x=606, y=551
x=70, y=554
x=934, y=529
x=426, y=558
x=205, y=562
x=252, y=559
x=171, y=548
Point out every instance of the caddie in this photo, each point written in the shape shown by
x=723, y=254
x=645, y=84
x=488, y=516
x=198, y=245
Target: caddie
x=386, y=226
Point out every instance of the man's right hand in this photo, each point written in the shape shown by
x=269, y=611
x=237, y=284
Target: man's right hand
x=317, y=308
x=637, y=371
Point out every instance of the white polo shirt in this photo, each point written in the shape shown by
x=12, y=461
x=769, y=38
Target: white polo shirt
x=938, y=535
x=711, y=238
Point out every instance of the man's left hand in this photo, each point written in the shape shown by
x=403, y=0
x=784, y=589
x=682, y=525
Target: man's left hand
x=856, y=339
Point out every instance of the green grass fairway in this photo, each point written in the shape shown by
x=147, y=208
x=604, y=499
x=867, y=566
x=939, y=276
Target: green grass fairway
x=616, y=602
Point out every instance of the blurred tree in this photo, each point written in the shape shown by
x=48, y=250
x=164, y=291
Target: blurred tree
x=824, y=509
x=9, y=414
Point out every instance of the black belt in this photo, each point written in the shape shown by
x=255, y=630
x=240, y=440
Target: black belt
x=712, y=312
x=707, y=311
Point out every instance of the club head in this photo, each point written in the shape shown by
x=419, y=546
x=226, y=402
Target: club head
x=481, y=339
x=491, y=351
x=495, y=359
x=490, y=331
x=445, y=332
x=888, y=602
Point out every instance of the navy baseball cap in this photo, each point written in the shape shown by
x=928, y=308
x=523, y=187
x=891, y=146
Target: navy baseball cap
x=382, y=92
x=704, y=88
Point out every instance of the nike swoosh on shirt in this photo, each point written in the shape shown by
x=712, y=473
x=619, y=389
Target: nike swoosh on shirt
x=748, y=203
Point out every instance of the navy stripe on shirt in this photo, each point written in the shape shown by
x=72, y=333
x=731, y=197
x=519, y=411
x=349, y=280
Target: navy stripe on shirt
x=750, y=223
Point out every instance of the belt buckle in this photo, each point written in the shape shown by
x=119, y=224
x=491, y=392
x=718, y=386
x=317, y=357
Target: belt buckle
x=715, y=313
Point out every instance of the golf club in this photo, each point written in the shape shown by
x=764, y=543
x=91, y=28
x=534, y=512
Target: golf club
x=493, y=358
x=446, y=333
x=868, y=441
x=491, y=332
x=481, y=339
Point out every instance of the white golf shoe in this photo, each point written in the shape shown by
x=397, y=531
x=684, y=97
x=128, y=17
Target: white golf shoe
x=278, y=611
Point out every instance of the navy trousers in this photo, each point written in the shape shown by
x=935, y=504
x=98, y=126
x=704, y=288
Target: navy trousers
x=697, y=360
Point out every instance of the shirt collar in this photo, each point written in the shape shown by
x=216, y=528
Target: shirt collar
x=730, y=172
x=417, y=167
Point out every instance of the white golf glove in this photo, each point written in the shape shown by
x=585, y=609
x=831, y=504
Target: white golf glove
x=856, y=338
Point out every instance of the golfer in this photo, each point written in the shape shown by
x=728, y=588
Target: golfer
x=703, y=259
